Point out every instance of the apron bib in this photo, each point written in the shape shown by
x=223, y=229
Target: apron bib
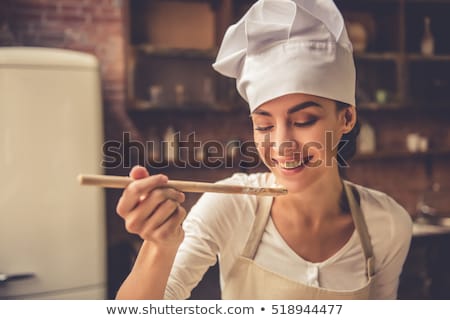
x=249, y=281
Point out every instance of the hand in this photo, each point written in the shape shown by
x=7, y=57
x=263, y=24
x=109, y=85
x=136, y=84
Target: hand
x=150, y=211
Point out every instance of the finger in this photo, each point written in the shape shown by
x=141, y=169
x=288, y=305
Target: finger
x=132, y=194
x=174, y=222
x=144, y=212
x=172, y=226
x=162, y=213
x=146, y=227
x=182, y=214
x=156, y=198
x=138, y=172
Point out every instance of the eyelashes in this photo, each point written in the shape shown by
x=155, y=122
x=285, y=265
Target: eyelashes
x=263, y=128
x=296, y=124
x=305, y=124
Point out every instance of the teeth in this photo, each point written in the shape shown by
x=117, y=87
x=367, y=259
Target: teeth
x=290, y=164
x=293, y=164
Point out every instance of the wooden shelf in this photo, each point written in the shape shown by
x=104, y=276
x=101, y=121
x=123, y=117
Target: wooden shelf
x=379, y=106
x=427, y=1
x=153, y=51
x=143, y=106
x=413, y=110
x=399, y=155
x=165, y=164
x=396, y=56
x=374, y=56
x=420, y=57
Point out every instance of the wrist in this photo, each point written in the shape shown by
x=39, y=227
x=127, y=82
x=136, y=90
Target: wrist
x=155, y=253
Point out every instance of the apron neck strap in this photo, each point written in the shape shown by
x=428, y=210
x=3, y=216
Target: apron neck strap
x=361, y=227
x=262, y=215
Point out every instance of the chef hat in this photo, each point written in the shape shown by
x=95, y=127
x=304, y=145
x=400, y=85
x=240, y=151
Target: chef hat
x=289, y=46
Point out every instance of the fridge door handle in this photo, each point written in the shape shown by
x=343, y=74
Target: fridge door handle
x=4, y=278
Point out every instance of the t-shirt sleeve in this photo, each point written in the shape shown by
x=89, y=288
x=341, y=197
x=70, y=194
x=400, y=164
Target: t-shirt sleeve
x=390, y=265
x=211, y=228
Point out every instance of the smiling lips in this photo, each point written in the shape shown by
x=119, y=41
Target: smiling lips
x=293, y=164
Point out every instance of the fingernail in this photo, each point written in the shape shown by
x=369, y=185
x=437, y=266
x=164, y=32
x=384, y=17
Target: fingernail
x=163, y=178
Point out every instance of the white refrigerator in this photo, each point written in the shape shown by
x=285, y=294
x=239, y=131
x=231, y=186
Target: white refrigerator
x=52, y=231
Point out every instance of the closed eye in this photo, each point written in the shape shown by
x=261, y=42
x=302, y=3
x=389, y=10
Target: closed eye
x=263, y=128
x=305, y=124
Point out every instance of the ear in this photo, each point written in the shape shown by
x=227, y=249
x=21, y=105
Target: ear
x=347, y=118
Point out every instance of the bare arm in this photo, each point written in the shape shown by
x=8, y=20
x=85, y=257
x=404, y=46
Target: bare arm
x=149, y=276
x=155, y=215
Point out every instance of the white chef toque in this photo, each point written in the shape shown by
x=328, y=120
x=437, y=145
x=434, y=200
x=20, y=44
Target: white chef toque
x=289, y=46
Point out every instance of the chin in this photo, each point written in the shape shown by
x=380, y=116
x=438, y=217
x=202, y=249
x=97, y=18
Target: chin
x=293, y=183
x=294, y=186
x=299, y=179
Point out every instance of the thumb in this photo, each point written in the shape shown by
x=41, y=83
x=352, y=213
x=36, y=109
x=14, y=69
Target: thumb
x=138, y=172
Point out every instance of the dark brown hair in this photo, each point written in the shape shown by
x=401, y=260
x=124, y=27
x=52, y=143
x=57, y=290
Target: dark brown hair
x=347, y=144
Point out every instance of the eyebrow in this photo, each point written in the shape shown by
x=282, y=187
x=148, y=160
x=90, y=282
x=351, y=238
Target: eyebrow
x=293, y=109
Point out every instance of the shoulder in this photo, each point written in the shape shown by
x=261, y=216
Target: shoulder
x=389, y=224
x=220, y=213
x=378, y=206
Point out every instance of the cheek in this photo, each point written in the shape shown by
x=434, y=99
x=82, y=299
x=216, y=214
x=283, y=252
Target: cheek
x=258, y=136
x=332, y=136
x=329, y=144
x=258, y=139
x=319, y=142
x=262, y=143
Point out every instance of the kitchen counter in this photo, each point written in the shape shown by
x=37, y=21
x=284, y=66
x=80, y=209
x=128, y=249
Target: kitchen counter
x=426, y=273
x=422, y=229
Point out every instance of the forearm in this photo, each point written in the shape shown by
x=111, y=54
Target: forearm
x=150, y=273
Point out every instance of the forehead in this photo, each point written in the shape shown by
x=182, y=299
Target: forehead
x=291, y=103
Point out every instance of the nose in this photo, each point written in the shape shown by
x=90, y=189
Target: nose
x=284, y=145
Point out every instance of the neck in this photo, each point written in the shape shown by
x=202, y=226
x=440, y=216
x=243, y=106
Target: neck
x=320, y=201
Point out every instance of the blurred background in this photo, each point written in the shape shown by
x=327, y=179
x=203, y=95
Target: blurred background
x=153, y=60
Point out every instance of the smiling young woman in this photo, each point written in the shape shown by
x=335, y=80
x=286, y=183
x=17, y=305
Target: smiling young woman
x=297, y=154
x=327, y=238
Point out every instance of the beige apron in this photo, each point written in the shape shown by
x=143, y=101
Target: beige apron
x=249, y=281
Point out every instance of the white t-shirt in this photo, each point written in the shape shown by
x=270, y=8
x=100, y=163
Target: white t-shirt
x=219, y=225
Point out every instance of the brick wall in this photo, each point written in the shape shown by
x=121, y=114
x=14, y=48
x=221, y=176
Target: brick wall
x=95, y=27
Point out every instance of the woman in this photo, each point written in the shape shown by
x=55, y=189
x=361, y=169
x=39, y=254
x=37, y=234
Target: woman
x=327, y=238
